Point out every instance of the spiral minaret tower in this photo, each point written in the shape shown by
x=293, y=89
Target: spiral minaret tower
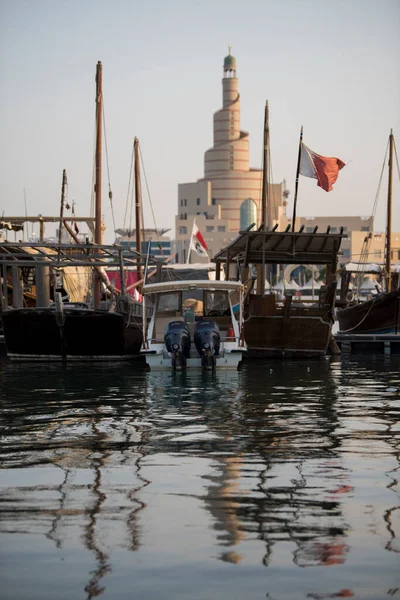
x=230, y=151
x=228, y=197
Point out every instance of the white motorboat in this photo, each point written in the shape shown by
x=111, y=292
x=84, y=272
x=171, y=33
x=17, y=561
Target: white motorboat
x=193, y=324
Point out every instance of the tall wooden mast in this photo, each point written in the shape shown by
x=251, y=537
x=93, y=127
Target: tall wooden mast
x=99, y=139
x=266, y=209
x=296, y=189
x=389, y=219
x=138, y=205
x=63, y=187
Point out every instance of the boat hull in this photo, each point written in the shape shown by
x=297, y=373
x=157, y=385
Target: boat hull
x=159, y=360
x=292, y=332
x=381, y=315
x=41, y=334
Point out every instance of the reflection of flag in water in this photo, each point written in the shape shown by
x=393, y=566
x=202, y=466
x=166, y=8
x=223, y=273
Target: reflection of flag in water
x=324, y=169
x=197, y=242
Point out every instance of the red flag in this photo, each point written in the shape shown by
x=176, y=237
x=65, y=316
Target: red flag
x=197, y=242
x=76, y=227
x=324, y=169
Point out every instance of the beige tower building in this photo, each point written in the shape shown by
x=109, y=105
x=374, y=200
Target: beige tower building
x=228, y=198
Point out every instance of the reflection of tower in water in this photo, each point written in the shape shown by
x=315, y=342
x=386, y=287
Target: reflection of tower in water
x=213, y=397
x=223, y=504
x=295, y=490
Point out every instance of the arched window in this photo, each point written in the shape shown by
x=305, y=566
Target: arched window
x=248, y=213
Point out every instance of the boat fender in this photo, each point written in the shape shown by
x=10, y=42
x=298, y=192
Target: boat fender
x=231, y=334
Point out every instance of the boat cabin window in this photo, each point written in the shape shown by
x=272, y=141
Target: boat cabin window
x=216, y=303
x=192, y=304
x=169, y=302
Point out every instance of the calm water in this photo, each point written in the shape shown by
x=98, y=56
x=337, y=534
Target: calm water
x=278, y=482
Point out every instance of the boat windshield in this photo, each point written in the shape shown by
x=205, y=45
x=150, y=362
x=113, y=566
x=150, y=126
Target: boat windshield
x=169, y=302
x=199, y=302
x=216, y=301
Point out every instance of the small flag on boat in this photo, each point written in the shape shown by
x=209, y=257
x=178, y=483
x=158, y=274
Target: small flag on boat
x=197, y=242
x=324, y=169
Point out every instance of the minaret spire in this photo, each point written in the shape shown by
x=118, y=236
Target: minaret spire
x=230, y=64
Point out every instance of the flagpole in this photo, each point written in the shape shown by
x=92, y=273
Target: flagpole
x=297, y=180
x=190, y=242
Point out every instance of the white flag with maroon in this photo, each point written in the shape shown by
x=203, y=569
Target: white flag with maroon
x=197, y=242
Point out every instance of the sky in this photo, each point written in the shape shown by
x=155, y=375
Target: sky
x=331, y=67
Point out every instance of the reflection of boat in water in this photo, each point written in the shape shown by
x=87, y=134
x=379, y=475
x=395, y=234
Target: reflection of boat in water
x=254, y=465
x=193, y=324
x=72, y=498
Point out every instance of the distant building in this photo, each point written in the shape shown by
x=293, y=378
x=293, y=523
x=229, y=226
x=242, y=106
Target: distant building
x=228, y=197
x=160, y=243
x=350, y=224
x=376, y=246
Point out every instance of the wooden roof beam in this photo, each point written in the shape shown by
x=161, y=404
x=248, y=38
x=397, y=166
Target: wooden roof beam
x=308, y=244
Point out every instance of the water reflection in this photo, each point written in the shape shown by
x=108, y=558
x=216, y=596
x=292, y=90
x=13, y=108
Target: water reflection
x=279, y=458
x=82, y=422
x=292, y=430
x=262, y=437
x=372, y=418
x=93, y=587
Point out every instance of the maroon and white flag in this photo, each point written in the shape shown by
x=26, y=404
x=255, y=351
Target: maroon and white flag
x=197, y=242
x=324, y=169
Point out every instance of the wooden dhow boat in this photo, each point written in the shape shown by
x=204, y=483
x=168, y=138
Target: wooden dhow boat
x=381, y=313
x=291, y=327
x=53, y=330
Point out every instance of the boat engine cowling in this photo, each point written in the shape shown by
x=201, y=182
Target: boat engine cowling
x=177, y=342
x=207, y=340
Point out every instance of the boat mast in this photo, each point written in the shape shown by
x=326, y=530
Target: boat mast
x=296, y=189
x=63, y=186
x=389, y=219
x=138, y=203
x=99, y=138
x=266, y=219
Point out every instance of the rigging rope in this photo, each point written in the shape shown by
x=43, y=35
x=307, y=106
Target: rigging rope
x=92, y=195
x=108, y=169
x=149, y=196
x=130, y=216
x=129, y=186
x=397, y=159
x=367, y=240
x=363, y=319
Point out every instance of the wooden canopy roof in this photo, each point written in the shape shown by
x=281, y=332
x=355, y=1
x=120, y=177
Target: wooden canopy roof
x=282, y=247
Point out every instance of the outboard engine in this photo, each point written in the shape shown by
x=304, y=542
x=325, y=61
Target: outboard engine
x=207, y=340
x=177, y=342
